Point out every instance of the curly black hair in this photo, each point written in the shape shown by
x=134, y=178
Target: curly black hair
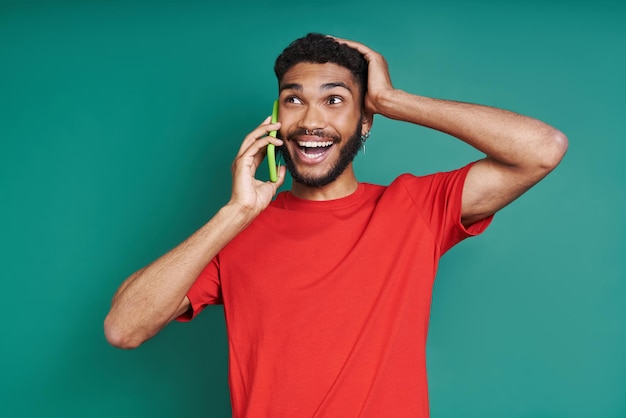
x=321, y=49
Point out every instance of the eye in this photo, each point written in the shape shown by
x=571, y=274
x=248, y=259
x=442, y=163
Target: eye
x=335, y=100
x=293, y=99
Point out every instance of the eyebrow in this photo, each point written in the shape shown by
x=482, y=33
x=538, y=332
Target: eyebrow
x=323, y=87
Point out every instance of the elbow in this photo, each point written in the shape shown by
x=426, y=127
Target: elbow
x=555, y=148
x=118, y=337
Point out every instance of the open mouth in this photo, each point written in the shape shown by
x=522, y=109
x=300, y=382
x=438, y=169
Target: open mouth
x=314, y=149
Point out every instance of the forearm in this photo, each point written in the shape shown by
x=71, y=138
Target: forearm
x=506, y=137
x=519, y=150
x=149, y=299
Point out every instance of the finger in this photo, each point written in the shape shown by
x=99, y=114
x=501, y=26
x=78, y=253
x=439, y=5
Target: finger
x=256, y=152
x=366, y=51
x=259, y=132
x=260, y=144
x=282, y=173
x=280, y=179
x=261, y=153
x=252, y=136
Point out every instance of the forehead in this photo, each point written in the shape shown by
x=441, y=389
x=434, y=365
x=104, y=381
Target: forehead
x=306, y=75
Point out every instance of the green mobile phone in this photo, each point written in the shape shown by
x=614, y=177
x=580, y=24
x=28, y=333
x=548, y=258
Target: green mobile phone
x=271, y=149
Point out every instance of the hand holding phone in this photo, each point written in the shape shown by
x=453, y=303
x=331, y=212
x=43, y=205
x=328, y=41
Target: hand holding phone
x=271, y=148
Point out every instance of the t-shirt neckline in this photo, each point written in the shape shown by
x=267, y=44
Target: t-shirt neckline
x=286, y=200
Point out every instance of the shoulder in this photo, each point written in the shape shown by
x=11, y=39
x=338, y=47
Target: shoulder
x=428, y=184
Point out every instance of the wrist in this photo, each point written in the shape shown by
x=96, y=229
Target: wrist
x=400, y=105
x=388, y=103
x=237, y=213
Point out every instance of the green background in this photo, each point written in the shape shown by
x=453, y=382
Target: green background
x=118, y=125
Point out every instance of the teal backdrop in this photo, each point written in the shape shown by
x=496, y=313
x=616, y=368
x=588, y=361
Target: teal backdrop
x=118, y=125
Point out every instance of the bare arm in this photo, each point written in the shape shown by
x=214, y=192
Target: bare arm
x=519, y=150
x=155, y=295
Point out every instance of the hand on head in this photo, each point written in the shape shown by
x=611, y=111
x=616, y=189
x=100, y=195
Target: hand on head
x=379, y=81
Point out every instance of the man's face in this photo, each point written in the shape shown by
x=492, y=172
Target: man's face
x=321, y=119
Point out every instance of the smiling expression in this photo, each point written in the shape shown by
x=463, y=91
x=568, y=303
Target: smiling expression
x=321, y=117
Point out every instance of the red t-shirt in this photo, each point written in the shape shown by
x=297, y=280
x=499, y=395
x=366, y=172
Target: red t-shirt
x=327, y=302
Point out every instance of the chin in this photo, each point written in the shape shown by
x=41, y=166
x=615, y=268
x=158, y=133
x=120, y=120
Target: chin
x=326, y=172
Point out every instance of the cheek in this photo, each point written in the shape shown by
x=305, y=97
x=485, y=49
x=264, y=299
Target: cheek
x=285, y=130
x=347, y=125
x=288, y=122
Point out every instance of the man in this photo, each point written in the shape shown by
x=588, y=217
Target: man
x=327, y=288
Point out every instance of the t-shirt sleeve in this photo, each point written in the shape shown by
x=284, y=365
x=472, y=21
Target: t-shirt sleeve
x=206, y=290
x=438, y=196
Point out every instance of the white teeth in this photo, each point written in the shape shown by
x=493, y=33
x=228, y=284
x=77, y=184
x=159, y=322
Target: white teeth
x=312, y=144
x=313, y=155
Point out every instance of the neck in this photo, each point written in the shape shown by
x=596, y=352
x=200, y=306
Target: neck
x=343, y=186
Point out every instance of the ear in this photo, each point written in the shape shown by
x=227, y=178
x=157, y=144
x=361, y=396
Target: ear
x=366, y=122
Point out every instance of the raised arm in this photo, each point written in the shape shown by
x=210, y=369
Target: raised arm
x=519, y=150
x=155, y=295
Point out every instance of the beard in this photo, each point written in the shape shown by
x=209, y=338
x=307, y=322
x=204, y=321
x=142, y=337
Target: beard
x=346, y=156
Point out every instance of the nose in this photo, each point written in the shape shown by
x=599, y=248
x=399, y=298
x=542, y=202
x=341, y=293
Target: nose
x=312, y=118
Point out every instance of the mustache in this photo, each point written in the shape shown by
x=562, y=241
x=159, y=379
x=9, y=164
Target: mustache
x=292, y=136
